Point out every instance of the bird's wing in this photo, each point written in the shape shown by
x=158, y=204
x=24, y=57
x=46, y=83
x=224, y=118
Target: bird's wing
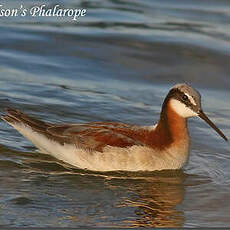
x=90, y=136
x=96, y=135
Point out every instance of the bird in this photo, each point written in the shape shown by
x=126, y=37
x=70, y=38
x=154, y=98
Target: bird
x=116, y=146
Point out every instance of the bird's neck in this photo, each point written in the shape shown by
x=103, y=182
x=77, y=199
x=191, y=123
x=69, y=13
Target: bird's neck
x=172, y=128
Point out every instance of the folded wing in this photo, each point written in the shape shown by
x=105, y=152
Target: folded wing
x=91, y=136
x=96, y=135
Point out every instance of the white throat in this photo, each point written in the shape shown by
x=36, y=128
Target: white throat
x=182, y=109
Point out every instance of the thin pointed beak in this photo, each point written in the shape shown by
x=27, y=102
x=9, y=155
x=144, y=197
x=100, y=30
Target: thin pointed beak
x=202, y=115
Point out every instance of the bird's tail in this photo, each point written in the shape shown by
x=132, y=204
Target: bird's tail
x=16, y=117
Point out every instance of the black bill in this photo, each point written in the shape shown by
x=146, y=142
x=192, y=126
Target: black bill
x=205, y=118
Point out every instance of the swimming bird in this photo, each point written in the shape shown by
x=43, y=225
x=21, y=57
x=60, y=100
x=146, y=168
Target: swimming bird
x=110, y=146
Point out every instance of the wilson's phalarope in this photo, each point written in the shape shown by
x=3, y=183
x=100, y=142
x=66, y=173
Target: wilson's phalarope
x=116, y=146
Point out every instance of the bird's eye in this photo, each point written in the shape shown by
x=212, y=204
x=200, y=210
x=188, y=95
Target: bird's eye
x=185, y=97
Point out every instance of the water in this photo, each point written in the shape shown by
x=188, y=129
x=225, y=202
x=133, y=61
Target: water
x=117, y=63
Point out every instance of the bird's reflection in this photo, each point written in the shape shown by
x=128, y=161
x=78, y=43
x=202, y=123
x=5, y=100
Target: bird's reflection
x=156, y=199
x=153, y=199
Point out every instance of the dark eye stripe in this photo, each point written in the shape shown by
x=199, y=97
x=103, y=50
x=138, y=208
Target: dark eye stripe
x=185, y=97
